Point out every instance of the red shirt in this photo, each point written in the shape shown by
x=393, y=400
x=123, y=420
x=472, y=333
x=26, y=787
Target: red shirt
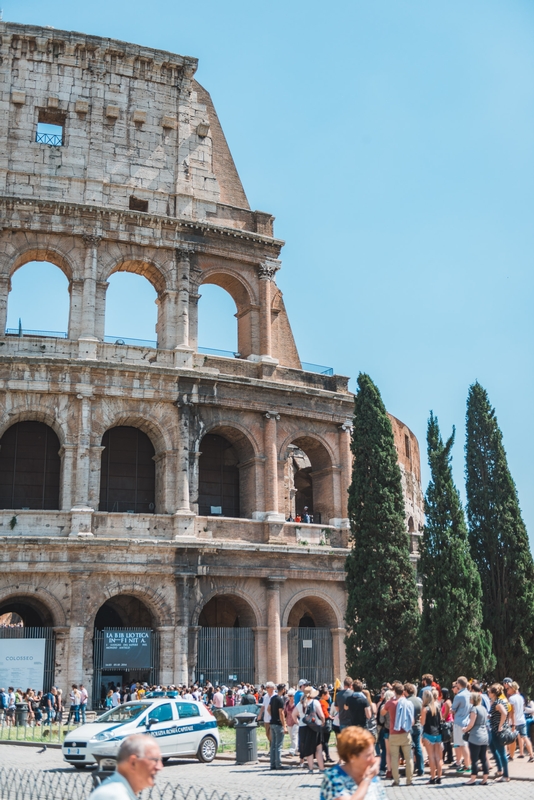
x=391, y=708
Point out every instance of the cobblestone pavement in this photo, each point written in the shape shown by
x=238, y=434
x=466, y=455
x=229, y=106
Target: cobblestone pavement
x=258, y=782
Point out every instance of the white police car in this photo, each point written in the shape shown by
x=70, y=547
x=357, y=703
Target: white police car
x=181, y=728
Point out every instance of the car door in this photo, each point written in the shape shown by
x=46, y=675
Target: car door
x=164, y=729
x=190, y=727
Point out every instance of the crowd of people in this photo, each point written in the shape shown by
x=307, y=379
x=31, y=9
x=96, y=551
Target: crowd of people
x=44, y=708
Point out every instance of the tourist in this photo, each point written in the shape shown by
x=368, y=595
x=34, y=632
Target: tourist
x=419, y=765
x=519, y=720
x=278, y=725
x=218, y=698
x=460, y=711
x=357, y=706
x=59, y=706
x=138, y=762
x=49, y=703
x=309, y=713
x=292, y=723
x=325, y=701
x=446, y=733
x=264, y=712
x=115, y=698
x=478, y=741
x=430, y=721
x=498, y=715
x=400, y=738
x=10, y=707
x=74, y=710
x=356, y=777
x=383, y=732
x=341, y=701
x=84, y=697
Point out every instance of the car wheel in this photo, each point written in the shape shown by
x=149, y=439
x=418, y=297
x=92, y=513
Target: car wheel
x=207, y=750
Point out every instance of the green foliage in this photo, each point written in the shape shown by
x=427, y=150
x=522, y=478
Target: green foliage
x=382, y=606
x=499, y=543
x=452, y=637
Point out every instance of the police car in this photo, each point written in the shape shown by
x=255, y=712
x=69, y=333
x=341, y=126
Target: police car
x=181, y=728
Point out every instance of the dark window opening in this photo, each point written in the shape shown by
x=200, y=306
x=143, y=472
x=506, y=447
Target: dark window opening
x=306, y=622
x=218, y=492
x=128, y=473
x=50, y=127
x=138, y=205
x=30, y=467
x=407, y=446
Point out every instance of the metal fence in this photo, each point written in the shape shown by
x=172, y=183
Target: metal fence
x=46, y=733
x=55, y=785
x=225, y=655
x=310, y=655
x=55, y=139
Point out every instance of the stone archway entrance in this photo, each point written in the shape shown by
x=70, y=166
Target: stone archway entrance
x=125, y=646
x=226, y=641
x=310, y=651
x=26, y=640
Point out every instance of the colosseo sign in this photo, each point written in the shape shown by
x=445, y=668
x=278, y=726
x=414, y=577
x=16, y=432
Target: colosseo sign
x=127, y=650
x=22, y=663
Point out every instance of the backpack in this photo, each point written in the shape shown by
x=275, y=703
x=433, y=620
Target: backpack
x=3, y=700
x=311, y=718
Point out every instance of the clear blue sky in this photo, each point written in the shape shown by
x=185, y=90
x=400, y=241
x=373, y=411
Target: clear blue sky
x=394, y=142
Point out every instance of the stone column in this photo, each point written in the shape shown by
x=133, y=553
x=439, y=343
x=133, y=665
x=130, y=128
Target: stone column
x=345, y=459
x=5, y=288
x=166, y=324
x=266, y=272
x=61, y=679
x=82, y=511
x=166, y=655
x=182, y=460
x=67, y=454
x=271, y=468
x=274, y=644
x=181, y=631
x=75, y=309
x=193, y=631
x=260, y=655
x=100, y=310
x=338, y=652
x=75, y=670
x=285, y=654
x=193, y=320
x=94, y=455
x=183, y=352
x=88, y=340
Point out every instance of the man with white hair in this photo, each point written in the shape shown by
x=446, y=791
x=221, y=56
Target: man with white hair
x=264, y=710
x=138, y=762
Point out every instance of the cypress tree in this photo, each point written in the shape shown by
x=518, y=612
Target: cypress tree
x=452, y=637
x=499, y=543
x=382, y=605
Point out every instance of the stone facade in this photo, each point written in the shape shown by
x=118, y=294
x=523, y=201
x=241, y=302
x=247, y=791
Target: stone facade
x=143, y=181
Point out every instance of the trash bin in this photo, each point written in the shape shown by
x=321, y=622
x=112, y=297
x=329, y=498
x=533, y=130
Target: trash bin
x=21, y=713
x=246, y=740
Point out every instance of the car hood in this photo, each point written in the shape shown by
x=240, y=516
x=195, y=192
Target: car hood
x=86, y=732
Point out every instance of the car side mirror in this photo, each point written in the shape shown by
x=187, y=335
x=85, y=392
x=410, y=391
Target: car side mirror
x=151, y=721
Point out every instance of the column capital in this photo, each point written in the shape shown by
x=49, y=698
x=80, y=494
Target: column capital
x=346, y=426
x=184, y=252
x=268, y=269
x=274, y=581
x=91, y=239
x=271, y=415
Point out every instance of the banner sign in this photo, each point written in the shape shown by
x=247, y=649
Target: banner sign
x=127, y=650
x=22, y=663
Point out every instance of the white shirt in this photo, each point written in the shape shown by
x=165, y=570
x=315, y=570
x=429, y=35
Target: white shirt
x=115, y=699
x=11, y=700
x=517, y=703
x=83, y=696
x=218, y=699
x=116, y=787
x=265, y=703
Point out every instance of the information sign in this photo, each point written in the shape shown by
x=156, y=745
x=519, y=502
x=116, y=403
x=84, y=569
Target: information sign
x=22, y=663
x=127, y=650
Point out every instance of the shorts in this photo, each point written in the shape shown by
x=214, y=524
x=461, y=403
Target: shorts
x=458, y=736
x=432, y=739
x=521, y=729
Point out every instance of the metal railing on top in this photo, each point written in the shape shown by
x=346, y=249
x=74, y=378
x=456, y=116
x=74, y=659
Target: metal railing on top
x=133, y=342
x=25, y=332
x=318, y=368
x=55, y=139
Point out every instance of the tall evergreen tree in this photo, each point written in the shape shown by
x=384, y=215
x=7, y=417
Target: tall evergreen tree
x=499, y=543
x=382, y=607
x=452, y=637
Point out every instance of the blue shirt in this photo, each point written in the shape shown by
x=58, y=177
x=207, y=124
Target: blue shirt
x=116, y=787
x=337, y=783
x=460, y=708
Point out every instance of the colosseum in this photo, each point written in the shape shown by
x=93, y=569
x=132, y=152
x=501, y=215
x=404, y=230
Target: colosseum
x=157, y=494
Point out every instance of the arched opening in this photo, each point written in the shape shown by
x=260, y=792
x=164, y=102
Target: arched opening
x=125, y=645
x=39, y=301
x=128, y=472
x=217, y=322
x=310, y=653
x=131, y=310
x=27, y=643
x=30, y=467
x=308, y=480
x=226, y=641
x=218, y=486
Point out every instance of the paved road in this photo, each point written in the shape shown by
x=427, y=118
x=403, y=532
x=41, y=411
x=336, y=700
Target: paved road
x=258, y=782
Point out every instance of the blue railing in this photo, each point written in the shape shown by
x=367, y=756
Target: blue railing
x=209, y=351
x=55, y=139
x=26, y=332
x=318, y=368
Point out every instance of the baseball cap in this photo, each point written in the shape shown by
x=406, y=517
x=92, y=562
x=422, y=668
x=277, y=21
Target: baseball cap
x=302, y=682
x=507, y=680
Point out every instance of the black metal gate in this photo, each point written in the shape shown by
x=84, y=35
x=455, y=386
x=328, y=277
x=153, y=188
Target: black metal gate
x=310, y=655
x=150, y=675
x=225, y=656
x=50, y=650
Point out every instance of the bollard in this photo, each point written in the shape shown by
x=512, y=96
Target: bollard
x=246, y=740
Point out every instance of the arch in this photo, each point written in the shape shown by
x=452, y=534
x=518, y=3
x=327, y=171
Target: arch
x=240, y=437
x=40, y=599
x=308, y=478
x=33, y=415
x=233, y=282
x=159, y=609
x=132, y=308
x=226, y=471
x=218, y=322
x=30, y=467
x=49, y=254
x=254, y=614
x=227, y=610
x=128, y=471
x=123, y=611
x=317, y=604
x=149, y=424
x=313, y=445
x=145, y=267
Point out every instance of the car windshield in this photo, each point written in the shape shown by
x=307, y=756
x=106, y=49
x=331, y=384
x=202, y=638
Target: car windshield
x=125, y=713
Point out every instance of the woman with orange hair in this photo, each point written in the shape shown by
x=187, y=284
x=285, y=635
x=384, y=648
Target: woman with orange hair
x=356, y=778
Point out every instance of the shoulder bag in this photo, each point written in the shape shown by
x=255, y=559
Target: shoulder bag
x=311, y=718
